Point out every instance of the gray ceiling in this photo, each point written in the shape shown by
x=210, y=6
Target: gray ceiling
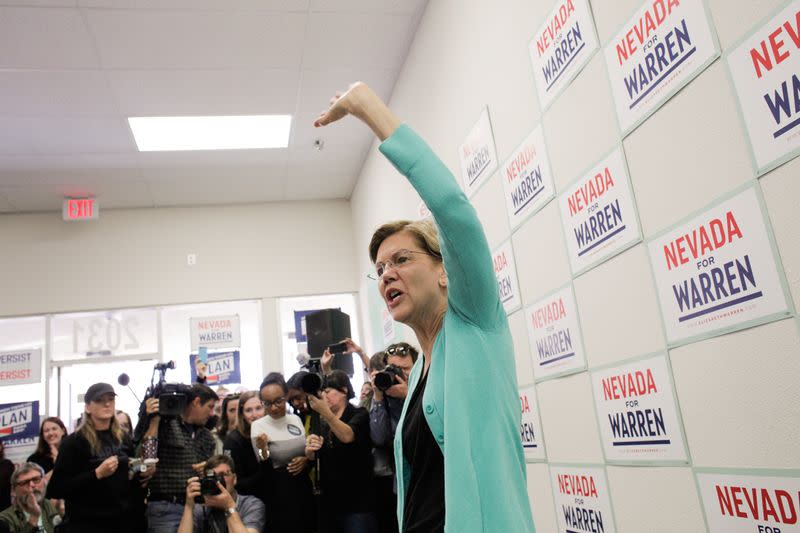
x=72, y=71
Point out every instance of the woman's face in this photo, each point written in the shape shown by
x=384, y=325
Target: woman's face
x=231, y=411
x=274, y=400
x=253, y=410
x=414, y=289
x=103, y=409
x=335, y=398
x=52, y=433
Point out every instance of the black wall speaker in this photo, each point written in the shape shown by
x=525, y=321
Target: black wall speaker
x=325, y=327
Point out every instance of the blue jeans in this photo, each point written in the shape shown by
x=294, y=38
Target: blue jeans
x=163, y=517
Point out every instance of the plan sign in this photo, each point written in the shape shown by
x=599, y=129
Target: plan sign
x=477, y=154
x=527, y=179
x=637, y=413
x=582, y=502
x=561, y=47
x=555, y=335
x=750, y=503
x=656, y=53
x=765, y=69
x=506, y=272
x=717, y=272
x=215, y=332
x=530, y=429
x=598, y=213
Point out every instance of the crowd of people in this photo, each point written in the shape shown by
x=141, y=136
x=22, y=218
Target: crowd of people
x=275, y=459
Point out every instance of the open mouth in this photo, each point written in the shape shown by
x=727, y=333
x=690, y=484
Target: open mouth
x=392, y=296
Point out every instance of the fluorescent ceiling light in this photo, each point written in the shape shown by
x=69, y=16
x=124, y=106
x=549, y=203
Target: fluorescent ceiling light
x=154, y=134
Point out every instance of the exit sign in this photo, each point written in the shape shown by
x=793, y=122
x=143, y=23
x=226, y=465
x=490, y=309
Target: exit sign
x=80, y=209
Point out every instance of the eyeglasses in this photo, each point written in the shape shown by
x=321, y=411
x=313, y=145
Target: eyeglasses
x=275, y=403
x=397, y=260
x=35, y=480
x=397, y=349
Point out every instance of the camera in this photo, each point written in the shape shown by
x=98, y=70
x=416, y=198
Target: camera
x=388, y=377
x=172, y=398
x=340, y=347
x=208, y=483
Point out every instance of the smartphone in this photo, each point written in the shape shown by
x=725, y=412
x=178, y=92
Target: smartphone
x=338, y=348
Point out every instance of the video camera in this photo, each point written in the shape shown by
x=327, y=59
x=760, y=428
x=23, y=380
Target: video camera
x=172, y=398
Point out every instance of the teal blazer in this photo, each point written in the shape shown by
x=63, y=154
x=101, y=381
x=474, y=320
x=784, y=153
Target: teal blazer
x=471, y=401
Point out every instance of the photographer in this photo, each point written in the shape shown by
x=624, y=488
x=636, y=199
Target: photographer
x=31, y=512
x=182, y=444
x=345, y=459
x=390, y=387
x=222, y=509
x=91, y=472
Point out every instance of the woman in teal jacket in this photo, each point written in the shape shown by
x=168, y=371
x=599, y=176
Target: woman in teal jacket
x=461, y=467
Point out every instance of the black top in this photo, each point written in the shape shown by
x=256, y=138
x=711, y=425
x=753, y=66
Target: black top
x=345, y=470
x=45, y=461
x=93, y=503
x=180, y=445
x=424, y=505
x=6, y=469
x=249, y=472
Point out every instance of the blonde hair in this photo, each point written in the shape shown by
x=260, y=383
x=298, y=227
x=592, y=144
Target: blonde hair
x=89, y=432
x=424, y=232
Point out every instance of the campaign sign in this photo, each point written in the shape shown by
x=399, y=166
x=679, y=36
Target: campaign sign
x=19, y=429
x=598, y=213
x=657, y=52
x=215, y=332
x=530, y=429
x=750, y=503
x=506, y=272
x=716, y=272
x=581, y=497
x=637, y=414
x=387, y=323
x=221, y=368
x=20, y=367
x=563, y=45
x=555, y=335
x=765, y=69
x=527, y=179
x=477, y=154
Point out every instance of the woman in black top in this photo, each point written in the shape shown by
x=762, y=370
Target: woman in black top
x=51, y=432
x=345, y=458
x=91, y=472
x=6, y=469
x=237, y=445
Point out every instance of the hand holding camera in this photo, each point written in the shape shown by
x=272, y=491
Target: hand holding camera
x=320, y=406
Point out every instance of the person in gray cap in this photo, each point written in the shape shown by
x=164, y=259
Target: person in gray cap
x=91, y=472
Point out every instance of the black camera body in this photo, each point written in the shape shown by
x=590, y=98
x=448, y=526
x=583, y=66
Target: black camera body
x=172, y=398
x=388, y=377
x=208, y=483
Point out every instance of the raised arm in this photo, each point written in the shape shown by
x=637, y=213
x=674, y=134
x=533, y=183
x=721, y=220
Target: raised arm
x=472, y=285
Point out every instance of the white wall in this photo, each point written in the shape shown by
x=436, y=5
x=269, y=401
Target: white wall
x=137, y=257
x=737, y=392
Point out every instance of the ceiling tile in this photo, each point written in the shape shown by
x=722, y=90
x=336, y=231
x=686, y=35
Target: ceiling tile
x=324, y=174
x=217, y=5
x=357, y=40
x=47, y=92
x=39, y=3
x=205, y=92
x=5, y=206
x=44, y=38
x=317, y=86
x=219, y=186
x=197, y=39
x=67, y=166
x=69, y=135
x=273, y=157
x=345, y=136
x=405, y=7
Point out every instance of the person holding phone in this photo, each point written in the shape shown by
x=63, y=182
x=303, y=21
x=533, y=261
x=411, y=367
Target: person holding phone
x=466, y=475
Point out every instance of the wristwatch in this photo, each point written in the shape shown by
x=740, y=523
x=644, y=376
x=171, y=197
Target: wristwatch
x=230, y=511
